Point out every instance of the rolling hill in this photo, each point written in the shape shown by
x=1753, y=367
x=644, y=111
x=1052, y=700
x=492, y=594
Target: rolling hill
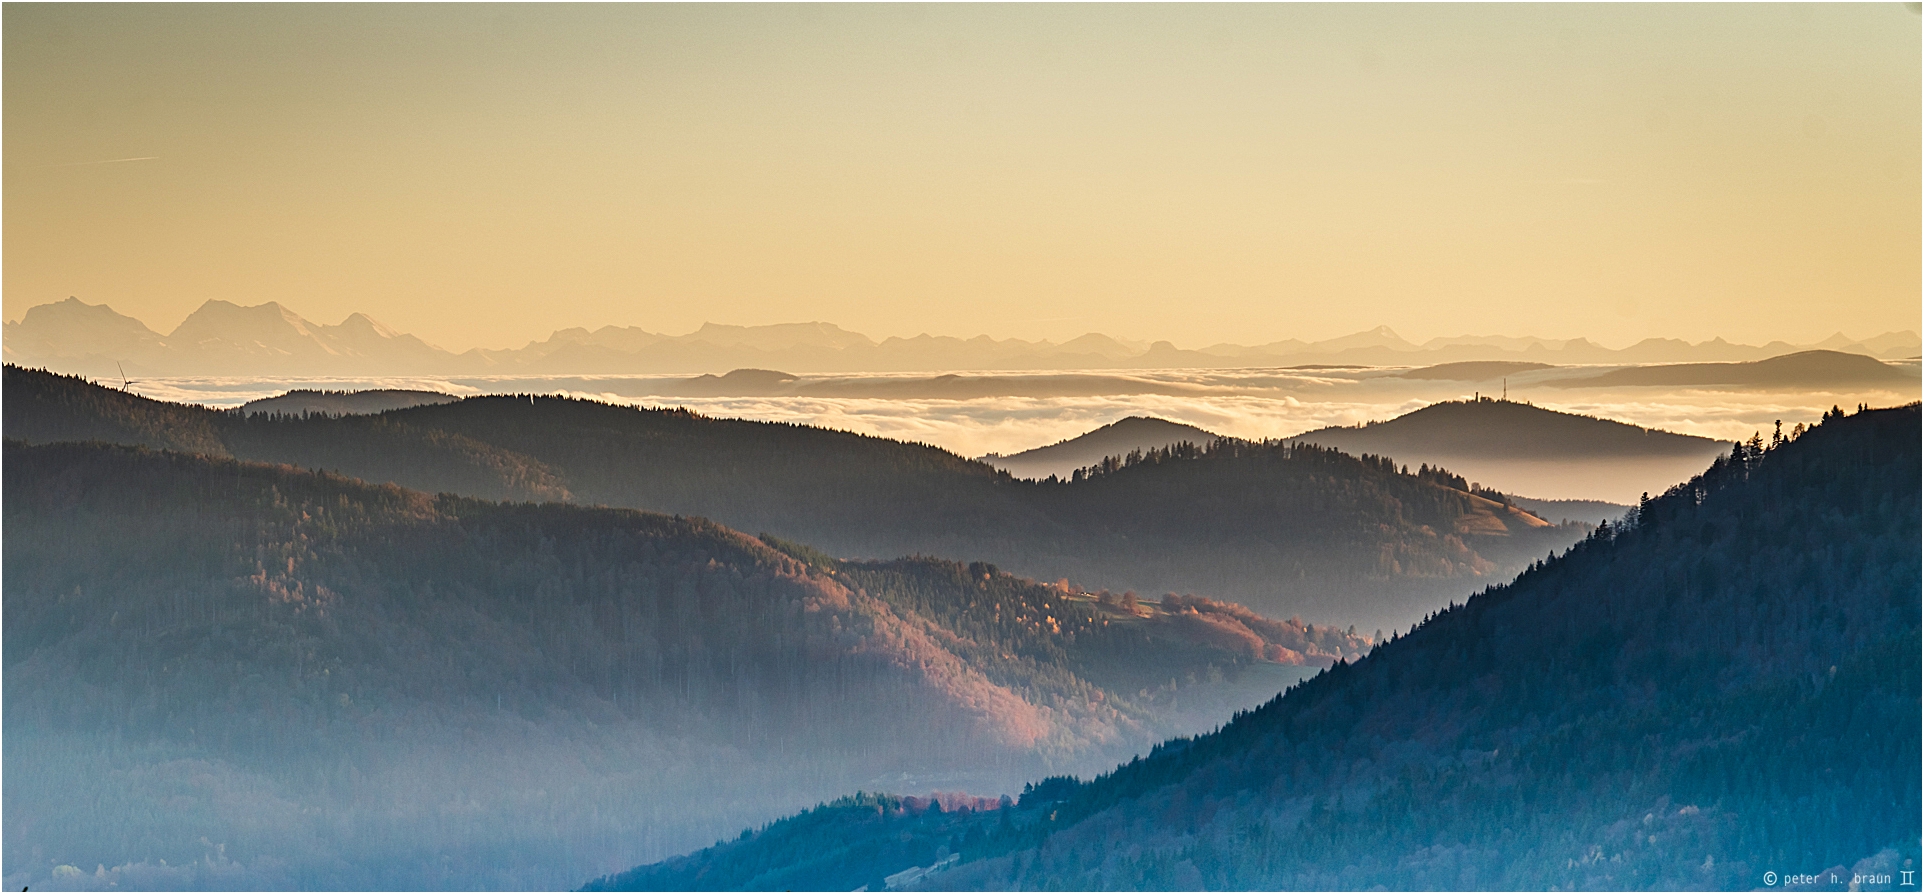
x=1523, y=449
x=1474, y=370
x=1725, y=686
x=340, y=403
x=1499, y=429
x=1119, y=438
x=1559, y=511
x=267, y=677
x=1284, y=529
x=1812, y=370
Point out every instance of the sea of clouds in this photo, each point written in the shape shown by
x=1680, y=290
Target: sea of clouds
x=1246, y=404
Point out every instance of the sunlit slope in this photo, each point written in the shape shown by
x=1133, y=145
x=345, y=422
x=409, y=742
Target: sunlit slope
x=309, y=671
x=1725, y=687
x=1335, y=538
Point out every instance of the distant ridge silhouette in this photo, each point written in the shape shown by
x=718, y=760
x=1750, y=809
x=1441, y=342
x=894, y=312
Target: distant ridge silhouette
x=224, y=338
x=1530, y=451
x=1115, y=439
x=1804, y=369
x=341, y=403
x=1501, y=429
x=1474, y=370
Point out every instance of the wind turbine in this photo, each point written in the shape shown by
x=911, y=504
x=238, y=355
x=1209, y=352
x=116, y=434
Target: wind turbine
x=125, y=383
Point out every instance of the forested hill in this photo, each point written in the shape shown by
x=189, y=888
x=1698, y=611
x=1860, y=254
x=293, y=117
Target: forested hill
x=1505, y=429
x=339, y=403
x=349, y=686
x=1283, y=529
x=1725, y=686
x=1531, y=451
x=1120, y=438
x=40, y=408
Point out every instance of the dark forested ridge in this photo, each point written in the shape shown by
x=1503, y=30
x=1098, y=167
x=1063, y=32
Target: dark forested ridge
x=341, y=685
x=1284, y=529
x=339, y=403
x=1726, y=685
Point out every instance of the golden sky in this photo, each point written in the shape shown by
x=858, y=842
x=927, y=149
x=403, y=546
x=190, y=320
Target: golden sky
x=482, y=175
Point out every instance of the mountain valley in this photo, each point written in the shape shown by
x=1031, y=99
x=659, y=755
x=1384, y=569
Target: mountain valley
x=1719, y=692
x=1283, y=529
x=356, y=684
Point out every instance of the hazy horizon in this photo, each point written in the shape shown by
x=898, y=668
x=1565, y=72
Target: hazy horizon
x=16, y=313
x=1196, y=174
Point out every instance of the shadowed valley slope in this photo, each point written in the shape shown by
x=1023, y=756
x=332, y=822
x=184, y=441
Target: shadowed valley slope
x=1723, y=687
x=349, y=686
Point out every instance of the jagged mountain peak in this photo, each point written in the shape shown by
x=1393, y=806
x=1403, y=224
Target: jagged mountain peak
x=1379, y=337
x=221, y=319
x=74, y=318
x=362, y=323
x=1102, y=345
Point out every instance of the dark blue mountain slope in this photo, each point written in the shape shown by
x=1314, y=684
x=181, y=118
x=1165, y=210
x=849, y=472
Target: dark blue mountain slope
x=1725, y=685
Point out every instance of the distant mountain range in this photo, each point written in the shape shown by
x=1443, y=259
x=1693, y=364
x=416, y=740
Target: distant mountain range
x=1670, y=704
x=1284, y=530
x=222, y=338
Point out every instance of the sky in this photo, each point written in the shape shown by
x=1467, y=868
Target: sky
x=483, y=175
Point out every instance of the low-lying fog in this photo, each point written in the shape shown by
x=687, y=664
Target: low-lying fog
x=976, y=413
